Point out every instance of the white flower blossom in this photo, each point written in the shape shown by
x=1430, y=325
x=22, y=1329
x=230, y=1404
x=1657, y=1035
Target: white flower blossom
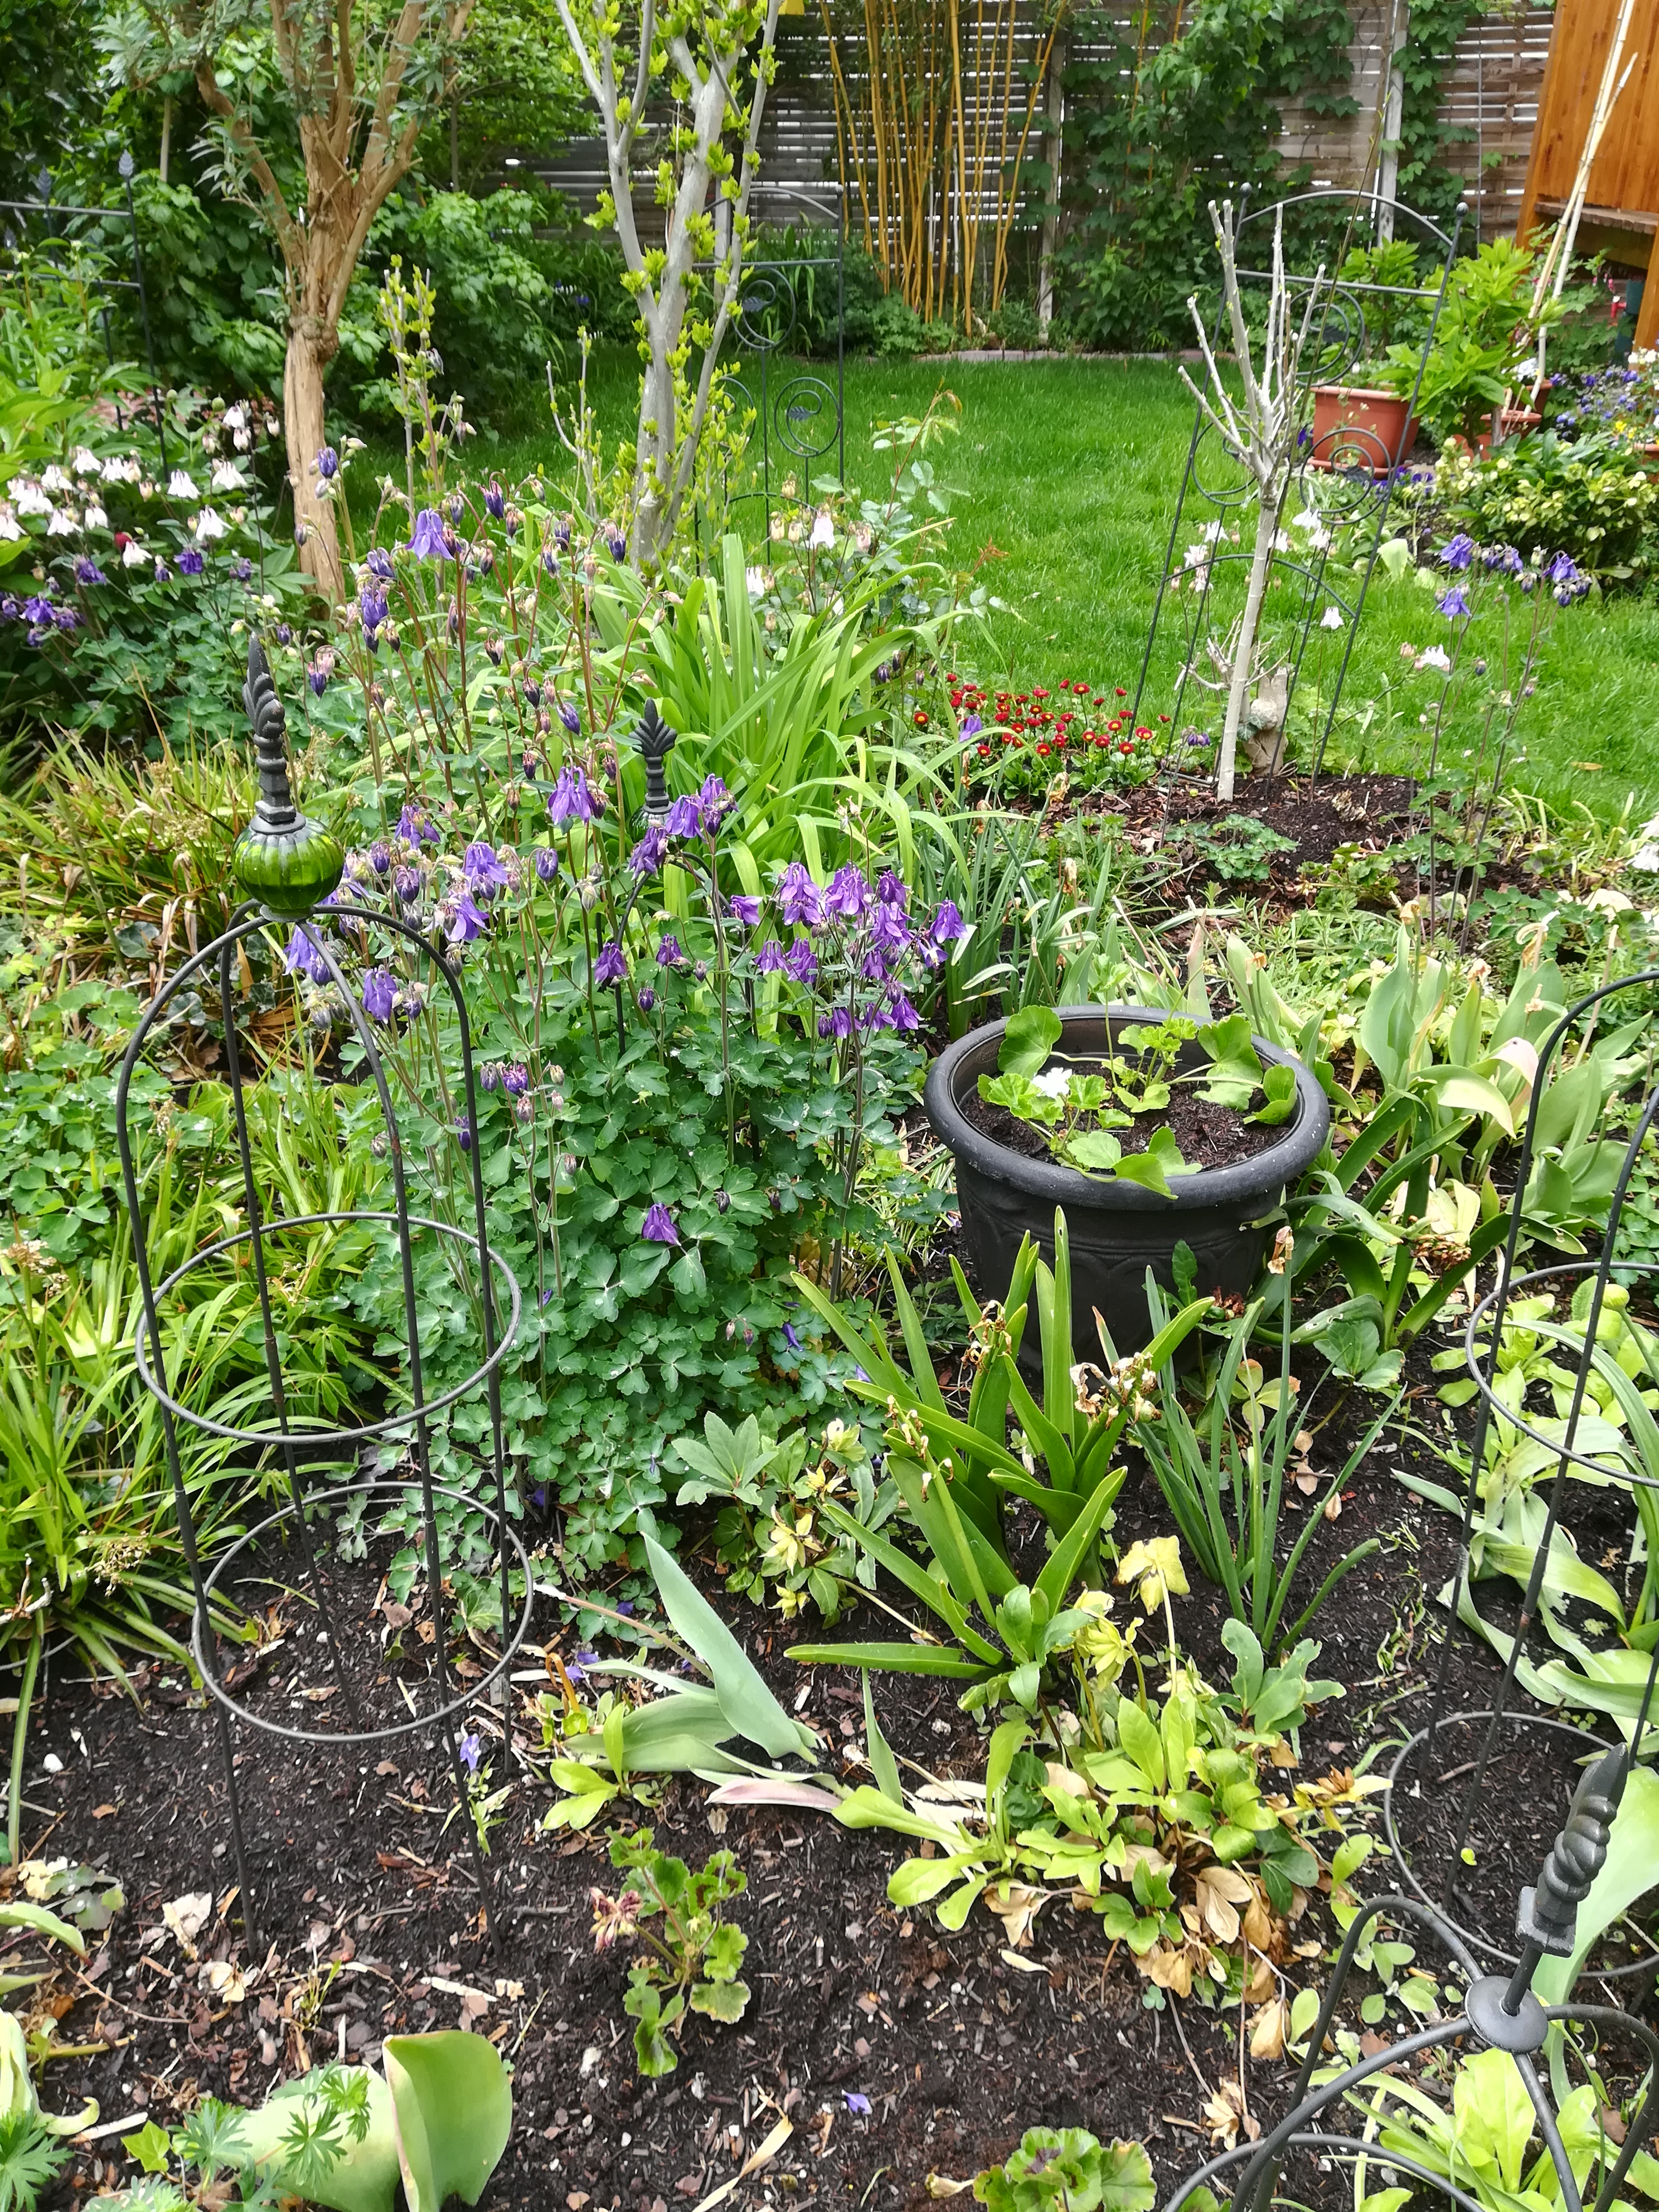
x=86, y=462
x=1434, y=656
x=1331, y=619
x=96, y=517
x=133, y=555
x=31, y=500
x=207, y=525
x=121, y=468
x=822, y=532
x=61, y=524
x=226, y=477
x=1053, y=1082
x=180, y=487
x=759, y=581
x=54, y=479
x=11, y=528
x=236, y=416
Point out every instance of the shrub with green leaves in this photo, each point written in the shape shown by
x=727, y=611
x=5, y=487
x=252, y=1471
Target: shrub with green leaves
x=1068, y=2170
x=1592, y=500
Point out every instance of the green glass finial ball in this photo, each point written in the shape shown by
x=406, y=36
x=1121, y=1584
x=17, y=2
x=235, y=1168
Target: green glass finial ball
x=291, y=871
x=288, y=864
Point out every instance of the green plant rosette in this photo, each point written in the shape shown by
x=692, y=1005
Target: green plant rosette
x=291, y=872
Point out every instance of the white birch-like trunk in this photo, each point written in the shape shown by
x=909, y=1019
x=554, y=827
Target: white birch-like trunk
x=1267, y=530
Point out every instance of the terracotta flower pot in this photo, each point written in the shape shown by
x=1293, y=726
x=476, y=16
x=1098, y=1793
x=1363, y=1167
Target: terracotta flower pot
x=1116, y=1230
x=1515, y=420
x=1357, y=428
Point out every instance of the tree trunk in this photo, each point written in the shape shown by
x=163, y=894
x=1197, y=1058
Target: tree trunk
x=654, y=453
x=1267, y=530
x=302, y=423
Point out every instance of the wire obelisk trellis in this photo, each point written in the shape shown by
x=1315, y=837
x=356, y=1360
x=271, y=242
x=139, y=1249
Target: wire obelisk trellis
x=290, y=867
x=1438, y=1876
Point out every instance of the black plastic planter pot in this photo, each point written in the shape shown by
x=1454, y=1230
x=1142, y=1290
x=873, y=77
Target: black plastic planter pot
x=1116, y=1230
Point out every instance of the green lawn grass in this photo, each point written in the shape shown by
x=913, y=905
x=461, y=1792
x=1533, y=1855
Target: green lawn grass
x=1064, y=474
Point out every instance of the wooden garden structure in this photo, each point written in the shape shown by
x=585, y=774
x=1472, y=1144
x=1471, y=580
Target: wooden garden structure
x=1620, y=195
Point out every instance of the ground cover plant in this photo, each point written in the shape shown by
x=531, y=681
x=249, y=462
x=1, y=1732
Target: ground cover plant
x=951, y=1746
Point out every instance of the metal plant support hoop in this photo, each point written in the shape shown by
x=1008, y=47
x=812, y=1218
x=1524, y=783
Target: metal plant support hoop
x=1348, y=475
x=273, y=860
x=1436, y=1887
x=1498, y=2013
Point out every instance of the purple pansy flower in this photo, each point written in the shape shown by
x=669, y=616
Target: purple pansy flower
x=658, y=1227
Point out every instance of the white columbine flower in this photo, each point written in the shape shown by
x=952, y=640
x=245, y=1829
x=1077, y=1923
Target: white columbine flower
x=133, y=555
x=823, y=530
x=236, y=416
x=54, y=479
x=207, y=525
x=226, y=477
x=31, y=500
x=11, y=528
x=759, y=582
x=1434, y=656
x=61, y=524
x=180, y=487
x=96, y=517
x=1053, y=1082
x=86, y=461
x=1331, y=619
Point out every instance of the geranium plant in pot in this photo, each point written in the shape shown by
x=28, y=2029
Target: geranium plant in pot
x=1152, y=1131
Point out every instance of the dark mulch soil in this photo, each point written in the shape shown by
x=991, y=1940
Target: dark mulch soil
x=1209, y=1136
x=371, y=1919
x=1318, y=812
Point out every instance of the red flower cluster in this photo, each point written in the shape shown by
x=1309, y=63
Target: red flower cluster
x=1073, y=731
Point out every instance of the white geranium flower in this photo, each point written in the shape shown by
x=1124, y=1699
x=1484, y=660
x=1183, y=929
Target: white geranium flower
x=1331, y=619
x=1053, y=1082
x=31, y=500
x=61, y=524
x=823, y=530
x=133, y=555
x=54, y=479
x=11, y=528
x=86, y=462
x=226, y=477
x=96, y=517
x=207, y=525
x=180, y=487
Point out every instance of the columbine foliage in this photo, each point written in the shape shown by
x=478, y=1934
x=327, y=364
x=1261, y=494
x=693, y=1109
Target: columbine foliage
x=692, y=1955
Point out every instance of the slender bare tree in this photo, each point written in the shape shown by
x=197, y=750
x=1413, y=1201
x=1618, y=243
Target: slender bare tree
x=1260, y=429
x=718, y=57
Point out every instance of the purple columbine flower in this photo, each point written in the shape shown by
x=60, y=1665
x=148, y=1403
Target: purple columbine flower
x=647, y=999
x=490, y=1075
x=284, y=634
x=800, y=962
x=464, y=1133
x=744, y=910
x=848, y=895
x=1452, y=603
x=799, y=899
x=66, y=618
x=791, y=1338
x=406, y=882
x=1458, y=552
x=550, y=561
x=484, y=872
x=646, y=856
x=471, y=1751
x=616, y=542
x=571, y=799
x=86, y=571
x=379, y=857
x=428, y=540
x=715, y=800
x=570, y=718
x=532, y=690
x=856, y=2101
x=769, y=961
x=684, y=818
x=242, y=569
x=891, y=892
x=547, y=863
x=162, y=572
x=890, y=933
x=1561, y=570
x=466, y=919
x=971, y=728
x=516, y=1078
x=610, y=966
x=379, y=993
x=658, y=1227
x=414, y=827
x=304, y=955
x=904, y=1015
x=947, y=924
x=377, y=561
x=669, y=951
x=837, y=1022
x=328, y=464
x=371, y=607
x=495, y=499
x=190, y=563
x=316, y=674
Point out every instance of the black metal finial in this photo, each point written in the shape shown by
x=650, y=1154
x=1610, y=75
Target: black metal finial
x=289, y=864
x=1548, y=1916
x=268, y=720
x=654, y=739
